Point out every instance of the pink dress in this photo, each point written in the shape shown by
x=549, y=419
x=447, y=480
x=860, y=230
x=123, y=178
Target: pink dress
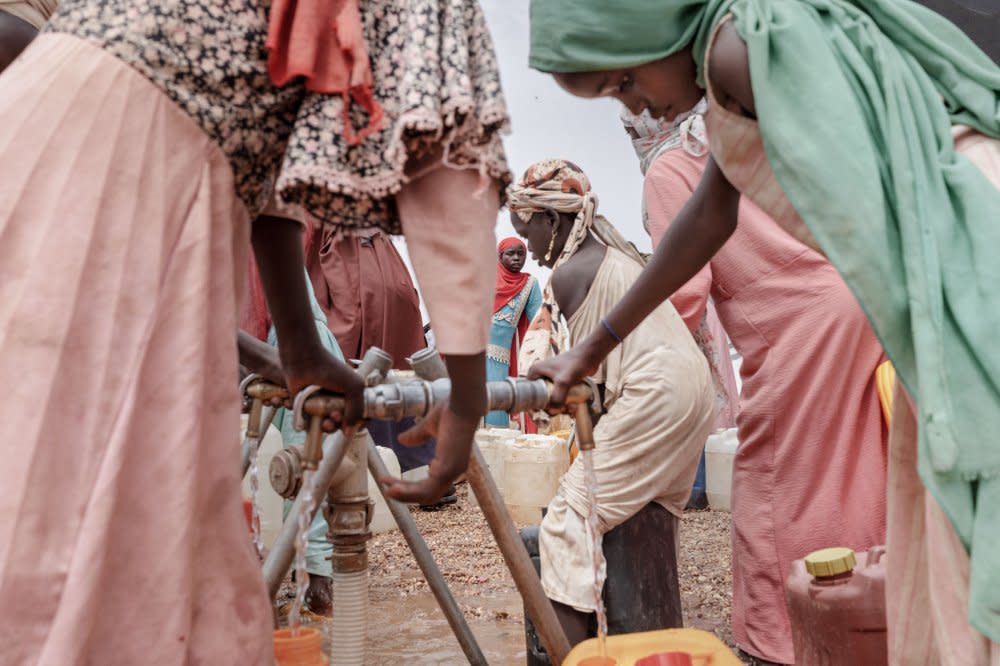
x=927, y=569
x=122, y=251
x=810, y=469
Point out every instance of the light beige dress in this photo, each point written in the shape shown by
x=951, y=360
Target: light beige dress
x=660, y=407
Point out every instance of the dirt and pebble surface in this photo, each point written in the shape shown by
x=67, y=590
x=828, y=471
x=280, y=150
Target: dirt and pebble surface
x=405, y=622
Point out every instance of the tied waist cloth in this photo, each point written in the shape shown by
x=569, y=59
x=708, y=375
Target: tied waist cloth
x=321, y=41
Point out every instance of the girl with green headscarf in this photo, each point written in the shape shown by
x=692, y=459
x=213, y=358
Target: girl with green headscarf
x=836, y=117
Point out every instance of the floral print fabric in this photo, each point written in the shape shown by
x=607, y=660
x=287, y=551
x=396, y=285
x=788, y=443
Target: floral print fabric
x=435, y=75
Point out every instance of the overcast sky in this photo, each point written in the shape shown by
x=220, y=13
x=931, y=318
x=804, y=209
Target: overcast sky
x=547, y=122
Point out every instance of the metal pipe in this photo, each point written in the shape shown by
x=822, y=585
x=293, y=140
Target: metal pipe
x=395, y=401
x=283, y=551
x=347, y=516
x=374, y=366
x=347, y=508
x=425, y=560
x=538, y=606
x=584, y=427
x=266, y=418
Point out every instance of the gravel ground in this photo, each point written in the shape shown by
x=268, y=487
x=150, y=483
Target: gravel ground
x=404, y=621
x=464, y=549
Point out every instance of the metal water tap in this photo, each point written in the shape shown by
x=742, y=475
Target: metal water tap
x=256, y=406
x=428, y=364
x=261, y=392
x=310, y=406
x=584, y=411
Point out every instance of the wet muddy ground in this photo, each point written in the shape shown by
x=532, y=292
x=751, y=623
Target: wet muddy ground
x=406, y=626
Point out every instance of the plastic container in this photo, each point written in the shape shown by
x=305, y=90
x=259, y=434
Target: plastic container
x=303, y=649
x=836, y=604
x=270, y=504
x=533, y=466
x=703, y=648
x=492, y=443
x=720, y=451
x=666, y=659
x=415, y=474
x=382, y=520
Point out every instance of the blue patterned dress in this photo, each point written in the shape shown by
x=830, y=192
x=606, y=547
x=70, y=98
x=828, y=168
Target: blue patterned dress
x=502, y=334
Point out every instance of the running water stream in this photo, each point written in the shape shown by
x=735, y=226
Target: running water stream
x=254, y=444
x=596, y=551
x=301, y=544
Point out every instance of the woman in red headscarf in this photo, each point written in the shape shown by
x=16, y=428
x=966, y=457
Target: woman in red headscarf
x=517, y=300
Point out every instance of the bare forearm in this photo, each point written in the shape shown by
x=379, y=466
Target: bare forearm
x=468, y=382
x=277, y=245
x=466, y=406
x=259, y=357
x=701, y=228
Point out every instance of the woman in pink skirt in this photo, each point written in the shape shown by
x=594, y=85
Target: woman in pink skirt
x=868, y=130
x=140, y=138
x=810, y=471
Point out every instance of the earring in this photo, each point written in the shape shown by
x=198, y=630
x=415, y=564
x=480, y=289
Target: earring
x=552, y=242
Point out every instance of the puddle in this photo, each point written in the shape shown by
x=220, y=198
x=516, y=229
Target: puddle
x=412, y=629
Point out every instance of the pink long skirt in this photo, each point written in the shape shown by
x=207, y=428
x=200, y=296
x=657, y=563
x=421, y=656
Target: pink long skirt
x=122, y=245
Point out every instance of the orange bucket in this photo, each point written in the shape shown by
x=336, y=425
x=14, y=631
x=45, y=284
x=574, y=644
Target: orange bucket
x=248, y=513
x=302, y=649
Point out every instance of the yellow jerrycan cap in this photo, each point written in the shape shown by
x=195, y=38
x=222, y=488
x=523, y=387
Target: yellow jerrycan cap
x=830, y=562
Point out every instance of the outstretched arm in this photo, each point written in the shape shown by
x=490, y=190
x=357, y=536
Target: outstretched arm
x=259, y=357
x=277, y=244
x=701, y=228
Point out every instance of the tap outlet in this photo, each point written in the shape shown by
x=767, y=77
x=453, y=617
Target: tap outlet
x=584, y=427
x=313, y=451
x=253, y=422
x=428, y=365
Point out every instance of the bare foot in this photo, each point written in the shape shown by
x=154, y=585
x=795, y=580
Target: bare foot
x=319, y=596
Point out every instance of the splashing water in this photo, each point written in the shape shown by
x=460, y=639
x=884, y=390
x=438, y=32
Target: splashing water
x=254, y=443
x=301, y=544
x=596, y=551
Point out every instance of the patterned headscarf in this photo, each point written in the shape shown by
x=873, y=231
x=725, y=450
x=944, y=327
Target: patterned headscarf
x=656, y=136
x=562, y=186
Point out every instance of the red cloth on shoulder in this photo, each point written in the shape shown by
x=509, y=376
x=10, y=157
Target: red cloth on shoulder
x=509, y=283
x=321, y=41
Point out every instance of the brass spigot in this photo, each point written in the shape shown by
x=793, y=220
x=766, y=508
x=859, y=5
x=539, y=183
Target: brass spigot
x=584, y=427
x=265, y=391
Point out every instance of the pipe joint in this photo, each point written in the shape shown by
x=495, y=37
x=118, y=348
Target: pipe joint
x=348, y=520
x=285, y=472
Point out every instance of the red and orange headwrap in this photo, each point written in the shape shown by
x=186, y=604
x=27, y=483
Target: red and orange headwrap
x=552, y=184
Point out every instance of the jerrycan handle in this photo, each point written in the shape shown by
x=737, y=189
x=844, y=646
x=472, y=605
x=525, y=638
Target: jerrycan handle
x=875, y=554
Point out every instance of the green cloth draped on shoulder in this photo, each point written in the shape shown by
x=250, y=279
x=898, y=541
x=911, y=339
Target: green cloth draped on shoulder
x=859, y=136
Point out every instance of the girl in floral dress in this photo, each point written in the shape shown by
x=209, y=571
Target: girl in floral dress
x=141, y=138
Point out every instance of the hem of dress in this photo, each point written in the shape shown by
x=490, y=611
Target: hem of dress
x=473, y=144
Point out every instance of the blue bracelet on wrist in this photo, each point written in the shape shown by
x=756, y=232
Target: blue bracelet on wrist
x=611, y=331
